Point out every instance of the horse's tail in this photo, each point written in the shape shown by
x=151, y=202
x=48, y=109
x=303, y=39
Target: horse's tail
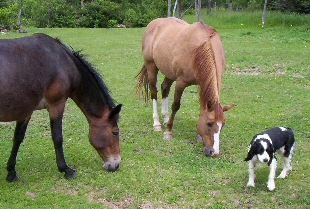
x=143, y=82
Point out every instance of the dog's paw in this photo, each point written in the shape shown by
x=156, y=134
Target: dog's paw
x=282, y=176
x=250, y=184
x=271, y=185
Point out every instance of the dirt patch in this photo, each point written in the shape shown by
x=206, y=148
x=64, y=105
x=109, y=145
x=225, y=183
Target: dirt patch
x=92, y=197
x=246, y=71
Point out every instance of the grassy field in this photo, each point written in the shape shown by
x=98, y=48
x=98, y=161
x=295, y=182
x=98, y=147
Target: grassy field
x=267, y=76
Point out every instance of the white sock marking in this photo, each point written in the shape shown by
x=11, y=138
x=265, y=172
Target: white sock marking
x=155, y=114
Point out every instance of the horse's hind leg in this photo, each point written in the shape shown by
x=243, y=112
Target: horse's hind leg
x=19, y=134
x=56, y=115
x=152, y=72
x=165, y=89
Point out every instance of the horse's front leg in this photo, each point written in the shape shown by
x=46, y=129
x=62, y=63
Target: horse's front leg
x=179, y=88
x=56, y=116
x=19, y=135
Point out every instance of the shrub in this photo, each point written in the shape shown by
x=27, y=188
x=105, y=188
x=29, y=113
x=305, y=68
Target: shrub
x=8, y=16
x=52, y=13
x=100, y=14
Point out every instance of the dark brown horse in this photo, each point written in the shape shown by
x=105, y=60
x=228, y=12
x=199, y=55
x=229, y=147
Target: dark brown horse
x=39, y=72
x=189, y=55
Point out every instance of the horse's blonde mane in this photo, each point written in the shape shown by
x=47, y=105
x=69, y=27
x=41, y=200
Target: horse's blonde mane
x=206, y=76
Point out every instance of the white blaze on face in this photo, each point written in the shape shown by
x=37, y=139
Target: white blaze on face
x=216, y=145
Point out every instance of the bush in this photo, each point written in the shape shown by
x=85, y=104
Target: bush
x=52, y=13
x=8, y=16
x=100, y=14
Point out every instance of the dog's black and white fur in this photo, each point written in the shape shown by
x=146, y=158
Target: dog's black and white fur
x=263, y=148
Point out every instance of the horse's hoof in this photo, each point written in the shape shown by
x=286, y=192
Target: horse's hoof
x=11, y=179
x=12, y=176
x=157, y=128
x=167, y=136
x=70, y=174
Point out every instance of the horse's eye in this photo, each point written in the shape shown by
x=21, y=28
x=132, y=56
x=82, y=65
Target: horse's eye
x=210, y=124
x=115, y=133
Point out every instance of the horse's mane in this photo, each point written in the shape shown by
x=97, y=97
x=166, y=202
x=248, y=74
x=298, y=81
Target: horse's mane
x=104, y=91
x=206, y=76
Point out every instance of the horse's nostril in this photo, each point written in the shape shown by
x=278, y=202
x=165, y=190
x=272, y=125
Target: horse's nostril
x=211, y=152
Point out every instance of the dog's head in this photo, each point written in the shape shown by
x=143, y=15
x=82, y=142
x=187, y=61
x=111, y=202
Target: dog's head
x=262, y=148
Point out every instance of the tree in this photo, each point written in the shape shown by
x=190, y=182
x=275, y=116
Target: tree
x=264, y=14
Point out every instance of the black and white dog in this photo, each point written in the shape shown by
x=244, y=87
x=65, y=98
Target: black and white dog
x=263, y=148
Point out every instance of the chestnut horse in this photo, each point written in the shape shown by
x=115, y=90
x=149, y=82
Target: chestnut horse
x=39, y=72
x=190, y=54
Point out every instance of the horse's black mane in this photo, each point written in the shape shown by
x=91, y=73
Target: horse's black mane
x=107, y=99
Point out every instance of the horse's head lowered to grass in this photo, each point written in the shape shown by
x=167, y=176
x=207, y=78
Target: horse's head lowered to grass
x=209, y=125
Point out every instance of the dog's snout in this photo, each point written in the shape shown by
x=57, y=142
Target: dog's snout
x=265, y=160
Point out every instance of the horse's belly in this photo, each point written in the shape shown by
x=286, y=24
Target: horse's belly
x=17, y=108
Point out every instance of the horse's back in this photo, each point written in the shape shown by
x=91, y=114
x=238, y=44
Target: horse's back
x=33, y=69
x=171, y=43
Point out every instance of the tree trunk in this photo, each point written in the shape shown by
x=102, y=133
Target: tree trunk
x=209, y=5
x=198, y=9
x=19, y=24
x=169, y=8
x=230, y=5
x=264, y=14
x=179, y=8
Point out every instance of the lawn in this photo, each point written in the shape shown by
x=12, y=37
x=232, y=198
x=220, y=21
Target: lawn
x=267, y=76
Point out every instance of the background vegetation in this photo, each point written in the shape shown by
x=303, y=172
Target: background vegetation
x=107, y=14
x=267, y=76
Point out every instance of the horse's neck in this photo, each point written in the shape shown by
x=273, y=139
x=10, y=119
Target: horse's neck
x=89, y=98
x=206, y=75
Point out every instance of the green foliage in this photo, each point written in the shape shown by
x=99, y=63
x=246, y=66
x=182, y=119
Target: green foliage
x=297, y=6
x=99, y=14
x=52, y=13
x=8, y=15
x=139, y=15
x=132, y=13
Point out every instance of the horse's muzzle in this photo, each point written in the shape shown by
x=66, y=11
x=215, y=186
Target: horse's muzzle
x=210, y=152
x=112, y=164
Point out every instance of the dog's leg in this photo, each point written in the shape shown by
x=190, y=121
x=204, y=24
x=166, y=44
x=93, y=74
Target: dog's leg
x=273, y=166
x=252, y=165
x=286, y=167
x=287, y=164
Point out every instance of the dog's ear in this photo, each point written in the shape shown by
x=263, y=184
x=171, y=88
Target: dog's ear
x=270, y=151
x=251, y=152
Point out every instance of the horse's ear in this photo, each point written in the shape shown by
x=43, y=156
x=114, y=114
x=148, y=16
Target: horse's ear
x=228, y=107
x=115, y=112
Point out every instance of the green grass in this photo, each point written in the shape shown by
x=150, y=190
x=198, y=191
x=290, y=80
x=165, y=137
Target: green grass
x=221, y=18
x=267, y=76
